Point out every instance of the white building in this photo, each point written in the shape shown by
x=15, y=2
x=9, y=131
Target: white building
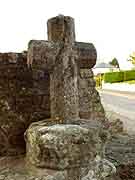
x=101, y=68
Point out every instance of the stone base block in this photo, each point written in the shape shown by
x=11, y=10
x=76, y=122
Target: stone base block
x=61, y=146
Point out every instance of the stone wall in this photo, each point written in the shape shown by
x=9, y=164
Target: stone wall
x=89, y=100
x=23, y=99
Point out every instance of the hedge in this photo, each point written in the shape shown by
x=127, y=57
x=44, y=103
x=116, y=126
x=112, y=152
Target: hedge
x=129, y=75
x=113, y=77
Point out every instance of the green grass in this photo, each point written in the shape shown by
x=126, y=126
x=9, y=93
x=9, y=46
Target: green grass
x=130, y=82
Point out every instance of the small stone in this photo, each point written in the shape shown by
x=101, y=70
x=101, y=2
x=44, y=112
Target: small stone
x=2, y=177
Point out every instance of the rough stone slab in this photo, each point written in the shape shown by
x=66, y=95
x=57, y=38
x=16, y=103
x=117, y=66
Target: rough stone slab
x=17, y=170
x=40, y=51
x=121, y=149
x=90, y=106
x=87, y=54
x=62, y=146
x=78, y=174
x=63, y=86
x=42, y=54
x=61, y=28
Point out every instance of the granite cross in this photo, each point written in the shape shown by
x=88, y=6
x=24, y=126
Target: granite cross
x=62, y=57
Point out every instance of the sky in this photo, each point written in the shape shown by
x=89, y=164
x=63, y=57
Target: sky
x=108, y=24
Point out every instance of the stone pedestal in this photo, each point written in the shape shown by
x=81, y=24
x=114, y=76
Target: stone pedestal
x=70, y=150
x=61, y=146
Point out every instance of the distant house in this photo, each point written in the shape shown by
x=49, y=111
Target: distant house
x=102, y=67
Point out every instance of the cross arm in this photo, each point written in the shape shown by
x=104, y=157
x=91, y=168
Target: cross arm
x=42, y=54
x=87, y=54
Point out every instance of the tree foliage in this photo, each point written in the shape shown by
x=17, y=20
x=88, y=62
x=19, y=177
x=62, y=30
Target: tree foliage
x=132, y=58
x=115, y=63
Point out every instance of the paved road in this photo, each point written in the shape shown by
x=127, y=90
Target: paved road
x=121, y=103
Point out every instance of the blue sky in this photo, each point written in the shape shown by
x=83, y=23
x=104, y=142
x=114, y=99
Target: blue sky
x=109, y=24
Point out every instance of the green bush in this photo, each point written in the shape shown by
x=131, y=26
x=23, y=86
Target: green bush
x=114, y=77
x=129, y=75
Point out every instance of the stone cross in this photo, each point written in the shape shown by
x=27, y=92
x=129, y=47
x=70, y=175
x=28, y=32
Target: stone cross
x=62, y=57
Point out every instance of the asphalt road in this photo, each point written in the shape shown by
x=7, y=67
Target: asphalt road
x=123, y=104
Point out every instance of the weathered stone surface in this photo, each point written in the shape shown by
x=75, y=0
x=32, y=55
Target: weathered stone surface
x=75, y=149
x=63, y=86
x=12, y=128
x=17, y=171
x=61, y=28
x=101, y=169
x=125, y=171
x=65, y=147
x=42, y=54
x=116, y=127
x=66, y=60
x=121, y=146
x=24, y=98
x=87, y=54
x=90, y=106
x=61, y=146
x=120, y=150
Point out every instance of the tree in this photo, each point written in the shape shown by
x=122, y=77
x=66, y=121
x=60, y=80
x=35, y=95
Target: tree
x=115, y=63
x=132, y=58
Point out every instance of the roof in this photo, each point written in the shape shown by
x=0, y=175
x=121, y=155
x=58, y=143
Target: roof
x=104, y=65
